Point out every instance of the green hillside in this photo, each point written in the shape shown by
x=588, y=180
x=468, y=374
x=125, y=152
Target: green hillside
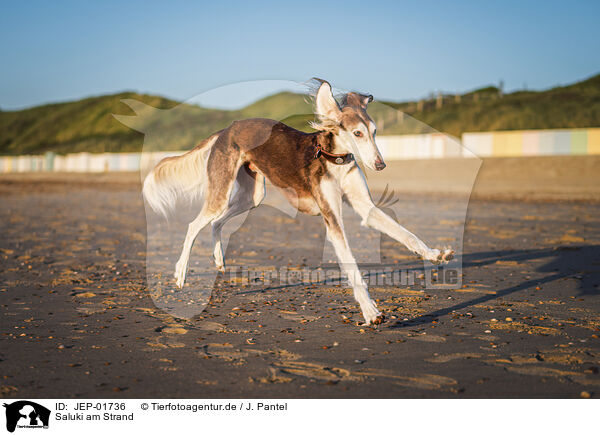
x=89, y=125
x=572, y=106
x=85, y=125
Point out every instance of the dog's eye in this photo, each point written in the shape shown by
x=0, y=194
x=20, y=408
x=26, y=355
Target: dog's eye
x=358, y=133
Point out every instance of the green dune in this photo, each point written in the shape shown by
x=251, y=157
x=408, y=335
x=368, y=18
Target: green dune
x=573, y=106
x=89, y=124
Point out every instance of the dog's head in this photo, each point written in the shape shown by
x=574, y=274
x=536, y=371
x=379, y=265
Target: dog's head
x=352, y=127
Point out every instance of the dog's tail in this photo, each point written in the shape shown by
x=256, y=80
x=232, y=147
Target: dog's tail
x=177, y=177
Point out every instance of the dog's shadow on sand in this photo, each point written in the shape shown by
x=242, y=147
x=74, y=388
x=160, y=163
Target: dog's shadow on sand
x=579, y=262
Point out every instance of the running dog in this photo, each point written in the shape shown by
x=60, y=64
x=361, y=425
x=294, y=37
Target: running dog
x=315, y=171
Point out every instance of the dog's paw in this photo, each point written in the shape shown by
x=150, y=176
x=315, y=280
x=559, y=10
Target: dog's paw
x=372, y=315
x=447, y=255
x=179, y=276
x=441, y=257
x=378, y=320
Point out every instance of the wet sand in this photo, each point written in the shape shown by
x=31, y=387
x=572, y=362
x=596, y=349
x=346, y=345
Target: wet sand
x=78, y=319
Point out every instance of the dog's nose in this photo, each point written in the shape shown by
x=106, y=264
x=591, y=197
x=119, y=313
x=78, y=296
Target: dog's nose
x=379, y=165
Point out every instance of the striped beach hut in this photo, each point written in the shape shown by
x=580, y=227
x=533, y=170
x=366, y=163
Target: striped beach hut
x=593, y=141
x=129, y=162
x=49, y=161
x=480, y=144
x=579, y=141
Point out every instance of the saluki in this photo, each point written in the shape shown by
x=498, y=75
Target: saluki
x=315, y=171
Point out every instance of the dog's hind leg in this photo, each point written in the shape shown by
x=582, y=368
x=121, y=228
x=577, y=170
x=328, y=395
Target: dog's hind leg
x=204, y=218
x=194, y=228
x=217, y=198
x=248, y=192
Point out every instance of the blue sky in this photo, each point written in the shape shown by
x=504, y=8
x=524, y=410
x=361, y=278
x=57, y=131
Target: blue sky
x=56, y=51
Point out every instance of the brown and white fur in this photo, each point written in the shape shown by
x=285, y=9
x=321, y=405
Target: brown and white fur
x=229, y=169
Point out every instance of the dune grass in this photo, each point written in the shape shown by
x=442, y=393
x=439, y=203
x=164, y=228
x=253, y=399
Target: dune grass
x=88, y=124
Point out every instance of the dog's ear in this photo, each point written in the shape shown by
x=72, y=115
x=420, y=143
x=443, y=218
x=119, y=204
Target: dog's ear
x=358, y=100
x=326, y=106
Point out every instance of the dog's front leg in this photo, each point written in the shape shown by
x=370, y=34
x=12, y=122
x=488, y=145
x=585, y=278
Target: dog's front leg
x=377, y=219
x=330, y=204
x=358, y=195
x=336, y=236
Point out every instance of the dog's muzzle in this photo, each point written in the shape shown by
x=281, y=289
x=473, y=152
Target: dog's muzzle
x=379, y=165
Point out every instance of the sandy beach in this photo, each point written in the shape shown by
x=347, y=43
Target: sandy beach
x=79, y=321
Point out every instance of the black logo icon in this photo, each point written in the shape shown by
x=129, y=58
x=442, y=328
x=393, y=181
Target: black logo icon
x=26, y=414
